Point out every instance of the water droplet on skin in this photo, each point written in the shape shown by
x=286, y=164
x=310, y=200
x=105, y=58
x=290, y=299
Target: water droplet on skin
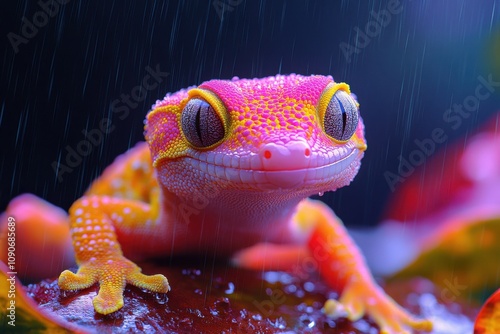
x=321, y=193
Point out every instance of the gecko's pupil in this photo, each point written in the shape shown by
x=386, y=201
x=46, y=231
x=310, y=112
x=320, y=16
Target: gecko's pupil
x=341, y=116
x=201, y=124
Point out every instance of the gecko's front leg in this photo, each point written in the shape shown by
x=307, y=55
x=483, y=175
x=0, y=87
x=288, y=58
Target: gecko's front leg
x=343, y=267
x=340, y=264
x=95, y=221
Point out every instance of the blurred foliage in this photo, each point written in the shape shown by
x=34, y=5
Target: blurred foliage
x=462, y=258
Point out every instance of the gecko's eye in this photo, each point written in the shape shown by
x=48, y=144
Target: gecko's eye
x=201, y=124
x=341, y=116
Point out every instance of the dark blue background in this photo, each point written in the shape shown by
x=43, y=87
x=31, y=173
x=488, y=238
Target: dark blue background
x=66, y=77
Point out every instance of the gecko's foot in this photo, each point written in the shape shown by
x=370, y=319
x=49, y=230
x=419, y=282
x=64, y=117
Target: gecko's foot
x=112, y=274
x=360, y=298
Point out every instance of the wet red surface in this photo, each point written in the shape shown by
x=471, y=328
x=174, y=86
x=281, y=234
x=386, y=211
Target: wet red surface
x=223, y=299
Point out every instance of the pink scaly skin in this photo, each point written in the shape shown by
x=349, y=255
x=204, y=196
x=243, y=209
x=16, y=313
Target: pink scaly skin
x=228, y=166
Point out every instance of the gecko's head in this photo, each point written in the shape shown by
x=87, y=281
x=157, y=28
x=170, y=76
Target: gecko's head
x=291, y=134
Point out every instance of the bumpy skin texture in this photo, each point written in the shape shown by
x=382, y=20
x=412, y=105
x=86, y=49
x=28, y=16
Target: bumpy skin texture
x=244, y=196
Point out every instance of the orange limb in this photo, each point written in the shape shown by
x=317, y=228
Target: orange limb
x=40, y=228
x=95, y=223
x=343, y=267
x=268, y=256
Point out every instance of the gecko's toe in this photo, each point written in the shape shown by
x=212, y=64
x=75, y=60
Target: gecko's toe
x=365, y=298
x=81, y=280
x=108, y=300
x=154, y=283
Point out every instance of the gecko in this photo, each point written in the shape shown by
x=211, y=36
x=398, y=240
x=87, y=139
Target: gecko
x=229, y=165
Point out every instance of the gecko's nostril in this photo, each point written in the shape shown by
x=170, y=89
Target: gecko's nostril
x=292, y=155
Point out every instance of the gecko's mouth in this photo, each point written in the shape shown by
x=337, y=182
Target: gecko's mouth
x=334, y=174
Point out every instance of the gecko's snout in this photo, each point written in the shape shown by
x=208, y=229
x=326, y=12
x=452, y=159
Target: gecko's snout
x=290, y=156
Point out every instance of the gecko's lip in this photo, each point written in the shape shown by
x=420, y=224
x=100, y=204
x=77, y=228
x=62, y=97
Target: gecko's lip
x=341, y=171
